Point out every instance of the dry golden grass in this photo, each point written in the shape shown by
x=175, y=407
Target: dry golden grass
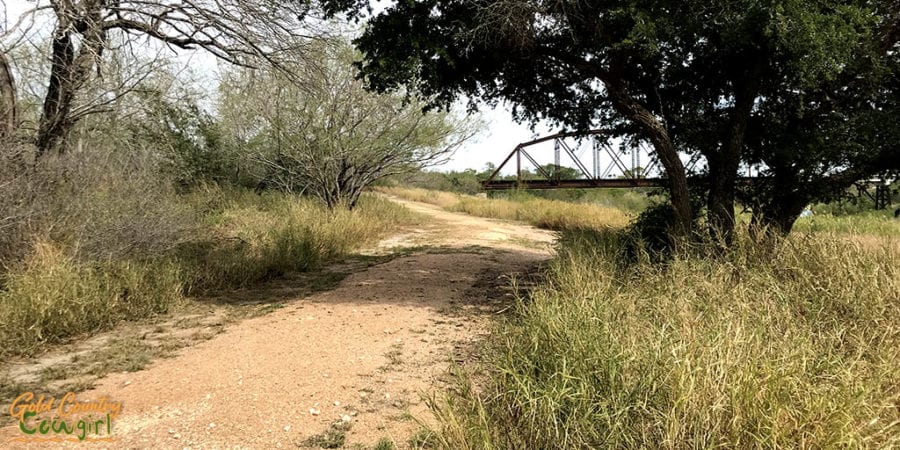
x=56, y=293
x=549, y=214
x=445, y=200
x=795, y=347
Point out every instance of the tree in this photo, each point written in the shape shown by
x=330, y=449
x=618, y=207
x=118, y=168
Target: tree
x=8, y=108
x=686, y=76
x=818, y=141
x=561, y=172
x=332, y=138
x=243, y=32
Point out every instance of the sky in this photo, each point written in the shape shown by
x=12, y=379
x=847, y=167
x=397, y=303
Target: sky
x=499, y=136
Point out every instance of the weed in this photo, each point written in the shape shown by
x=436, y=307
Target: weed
x=423, y=439
x=333, y=437
x=385, y=444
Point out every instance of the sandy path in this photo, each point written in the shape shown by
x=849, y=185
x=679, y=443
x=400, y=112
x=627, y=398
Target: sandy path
x=365, y=352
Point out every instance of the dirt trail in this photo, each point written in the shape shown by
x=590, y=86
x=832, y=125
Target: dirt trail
x=362, y=355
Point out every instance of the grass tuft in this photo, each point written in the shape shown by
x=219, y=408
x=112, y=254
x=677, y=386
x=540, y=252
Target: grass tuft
x=763, y=348
x=52, y=297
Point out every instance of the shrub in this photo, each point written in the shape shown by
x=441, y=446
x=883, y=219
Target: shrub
x=99, y=205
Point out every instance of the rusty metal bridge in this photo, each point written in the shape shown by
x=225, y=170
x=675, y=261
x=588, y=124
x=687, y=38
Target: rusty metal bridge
x=610, y=168
x=617, y=169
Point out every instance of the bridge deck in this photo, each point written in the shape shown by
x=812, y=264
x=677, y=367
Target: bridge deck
x=603, y=183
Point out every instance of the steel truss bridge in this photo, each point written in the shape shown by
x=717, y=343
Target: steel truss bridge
x=615, y=169
x=610, y=168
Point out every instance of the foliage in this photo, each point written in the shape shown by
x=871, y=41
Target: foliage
x=462, y=182
x=733, y=81
x=191, y=140
x=794, y=347
x=330, y=137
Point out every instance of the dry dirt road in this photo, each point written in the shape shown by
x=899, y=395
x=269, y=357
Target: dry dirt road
x=363, y=355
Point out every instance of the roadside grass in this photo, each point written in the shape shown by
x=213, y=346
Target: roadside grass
x=238, y=238
x=53, y=296
x=259, y=237
x=794, y=346
x=445, y=200
x=543, y=213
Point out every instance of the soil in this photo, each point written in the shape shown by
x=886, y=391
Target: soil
x=349, y=366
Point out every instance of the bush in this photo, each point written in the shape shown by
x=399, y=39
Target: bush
x=795, y=347
x=99, y=205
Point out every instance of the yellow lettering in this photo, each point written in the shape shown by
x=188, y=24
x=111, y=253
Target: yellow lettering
x=18, y=411
x=69, y=399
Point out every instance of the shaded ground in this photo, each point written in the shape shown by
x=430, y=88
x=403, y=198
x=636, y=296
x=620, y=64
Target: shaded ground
x=344, y=367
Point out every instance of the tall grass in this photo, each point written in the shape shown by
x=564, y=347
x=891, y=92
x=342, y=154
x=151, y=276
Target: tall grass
x=797, y=347
x=53, y=296
x=442, y=199
x=264, y=236
x=58, y=291
x=543, y=213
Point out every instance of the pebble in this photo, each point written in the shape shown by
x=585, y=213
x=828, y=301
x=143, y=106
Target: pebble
x=287, y=428
x=314, y=411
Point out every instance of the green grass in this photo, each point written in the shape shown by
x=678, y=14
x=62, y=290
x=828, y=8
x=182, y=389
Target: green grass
x=792, y=347
x=875, y=223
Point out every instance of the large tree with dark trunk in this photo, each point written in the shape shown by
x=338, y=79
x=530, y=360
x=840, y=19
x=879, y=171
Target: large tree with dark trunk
x=685, y=76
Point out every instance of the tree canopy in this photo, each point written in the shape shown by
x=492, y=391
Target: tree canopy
x=729, y=80
x=331, y=137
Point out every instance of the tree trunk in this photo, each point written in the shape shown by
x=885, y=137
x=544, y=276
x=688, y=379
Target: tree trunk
x=8, y=106
x=787, y=199
x=665, y=150
x=777, y=218
x=725, y=162
x=723, y=168
x=68, y=72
